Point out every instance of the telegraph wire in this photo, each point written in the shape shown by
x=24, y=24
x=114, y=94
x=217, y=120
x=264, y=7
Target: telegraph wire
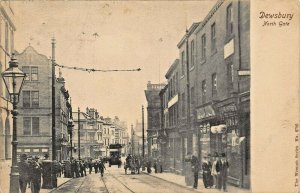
x=89, y=70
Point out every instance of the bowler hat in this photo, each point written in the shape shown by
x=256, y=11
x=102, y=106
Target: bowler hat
x=216, y=154
x=223, y=155
x=24, y=156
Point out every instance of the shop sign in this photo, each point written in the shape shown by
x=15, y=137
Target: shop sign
x=204, y=128
x=228, y=109
x=205, y=112
x=204, y=140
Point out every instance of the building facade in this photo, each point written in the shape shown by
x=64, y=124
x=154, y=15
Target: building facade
x=205, y=109
x=223, y=100
x=91, y=134
x=35, y=107
x=7, y=30
x=153, y=117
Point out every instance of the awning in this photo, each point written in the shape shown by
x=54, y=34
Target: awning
x=218, y=129
x=205, y=112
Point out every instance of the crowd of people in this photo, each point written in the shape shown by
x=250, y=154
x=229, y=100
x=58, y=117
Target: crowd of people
x=214, y=169
x=144, y=163
x=33, y=170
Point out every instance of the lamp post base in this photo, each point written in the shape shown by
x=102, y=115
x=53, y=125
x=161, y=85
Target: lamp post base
x=14, y=180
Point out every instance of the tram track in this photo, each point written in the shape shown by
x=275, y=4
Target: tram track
x=113, y=176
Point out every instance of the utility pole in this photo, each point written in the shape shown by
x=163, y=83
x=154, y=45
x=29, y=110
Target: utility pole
x=188, y=88
x=78, y=133
x=71, y=129
x=132, y=142
x=143, y=132
x=53, y=102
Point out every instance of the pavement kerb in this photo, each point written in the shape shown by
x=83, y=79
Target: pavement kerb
x=168, y=181
x=60, y=185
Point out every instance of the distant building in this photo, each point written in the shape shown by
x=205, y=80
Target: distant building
x=153, y=116
x=35, y=107
x=91, y=134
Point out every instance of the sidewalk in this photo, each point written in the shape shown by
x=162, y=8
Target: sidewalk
x=60, y=181
x=180, y=180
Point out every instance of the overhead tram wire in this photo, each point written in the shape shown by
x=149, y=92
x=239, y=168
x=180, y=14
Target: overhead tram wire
x=96, y=70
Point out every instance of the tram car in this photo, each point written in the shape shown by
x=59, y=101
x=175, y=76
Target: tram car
x=115, y=155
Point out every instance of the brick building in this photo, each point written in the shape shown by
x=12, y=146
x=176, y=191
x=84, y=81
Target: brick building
x=209, y=86
x=7, y=29
x=223, y=102
x=34, y=119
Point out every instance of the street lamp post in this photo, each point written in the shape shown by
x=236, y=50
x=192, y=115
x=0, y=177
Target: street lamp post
x=14, y=78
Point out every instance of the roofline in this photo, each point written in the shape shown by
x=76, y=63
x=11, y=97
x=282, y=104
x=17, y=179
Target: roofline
x=172, y=67
x=209, y=15
x=188, y=33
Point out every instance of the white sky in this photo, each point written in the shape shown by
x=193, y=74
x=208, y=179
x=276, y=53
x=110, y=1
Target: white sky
x=129, y=34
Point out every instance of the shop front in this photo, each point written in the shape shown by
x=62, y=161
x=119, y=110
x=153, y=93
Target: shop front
x=224, y=128
x=231, y=139
x=205, y=118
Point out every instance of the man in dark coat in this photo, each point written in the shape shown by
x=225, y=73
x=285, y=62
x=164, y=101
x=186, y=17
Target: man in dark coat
x=96, y=167
x=195, y=169
x=90, y=166
x=36, y=174
x=206, y=167
x=23, y=172
x=224, y=172
x=101, y=167
x=81, y=168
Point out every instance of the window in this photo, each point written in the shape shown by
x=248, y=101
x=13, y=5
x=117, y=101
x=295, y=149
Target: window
x=213, y=36
x=192, y=53
x=203, y=48
x=203, y=91
x=35, y=98
x=192, y=95
x=34, y=73
x=229, y=20
x=214, y=84
x=26, y=99
x=230, y=75
x=35, y=125
x=31, y=125
x=182, y=64
x=27, y=126
x=183, y=104
x=26, y=70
